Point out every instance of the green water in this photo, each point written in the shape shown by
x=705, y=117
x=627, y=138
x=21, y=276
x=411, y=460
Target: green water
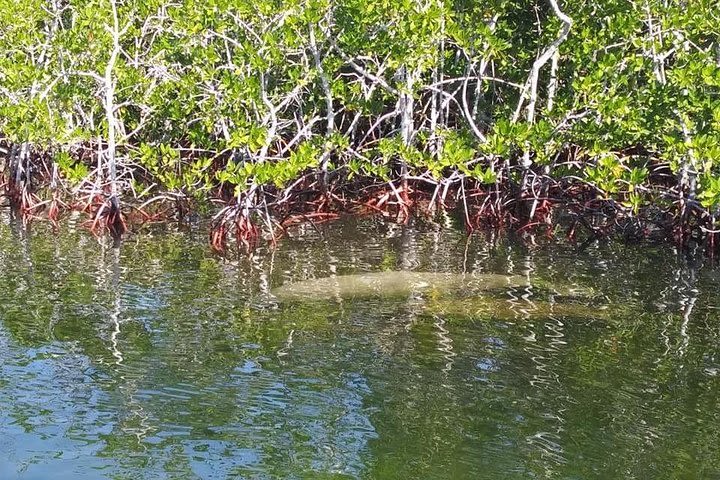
x=159, y=360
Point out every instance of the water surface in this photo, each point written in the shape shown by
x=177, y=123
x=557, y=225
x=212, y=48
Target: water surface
x=159, y=359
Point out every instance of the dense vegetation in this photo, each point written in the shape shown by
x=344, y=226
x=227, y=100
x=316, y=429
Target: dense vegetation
x=277, y=111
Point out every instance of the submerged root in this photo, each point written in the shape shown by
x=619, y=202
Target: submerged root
x=489, y=213
x=238, y=221
x=246, y=233
x=217, y=238
x=109, y=217
x=23, y=201
x=53, y=213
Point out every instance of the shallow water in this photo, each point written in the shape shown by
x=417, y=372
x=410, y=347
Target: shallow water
x=158, y=360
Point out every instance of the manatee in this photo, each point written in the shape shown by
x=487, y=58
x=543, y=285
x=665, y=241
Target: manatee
x=394, y=284
x=391, y=284
x=446, y=293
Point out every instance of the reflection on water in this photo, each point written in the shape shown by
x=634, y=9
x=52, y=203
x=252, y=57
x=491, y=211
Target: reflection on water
x=160, y=360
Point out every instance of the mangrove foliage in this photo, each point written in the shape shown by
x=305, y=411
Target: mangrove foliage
x=269, y=113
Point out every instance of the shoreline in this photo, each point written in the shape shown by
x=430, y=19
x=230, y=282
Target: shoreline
x=564, y=207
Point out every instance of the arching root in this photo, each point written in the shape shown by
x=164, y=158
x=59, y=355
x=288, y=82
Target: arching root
x=237, y=220
x=109, y=217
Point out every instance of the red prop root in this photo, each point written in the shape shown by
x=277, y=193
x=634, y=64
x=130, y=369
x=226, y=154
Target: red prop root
x=110, y=217
x=246, y=232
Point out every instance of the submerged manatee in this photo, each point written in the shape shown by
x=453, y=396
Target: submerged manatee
x=447, y=293
x=392, y=284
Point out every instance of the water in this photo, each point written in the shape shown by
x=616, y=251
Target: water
x=161, y=360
